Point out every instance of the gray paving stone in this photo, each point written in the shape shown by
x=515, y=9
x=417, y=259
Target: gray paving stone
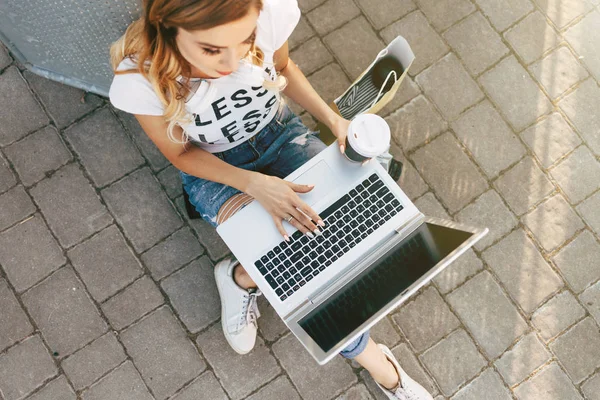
x=239, y=374
x=583, y=37
x=64, y=103
x=449, y=172
x=413, y=368
x=103, y=147
x=430, y=206
x=332, y=14
x=29, y=253
x=301, y=34
x=415, y=123
x=124, y=383
x=384, y=332
x=358, y=392
x=311, y=55
x=25, y=367
x=532, y=37
x=14, y=324
x=578, y=174
x=280, y=388
x=131, y=304
x=7, y=178
x=561, y=13
x=493, y=320
x=64, y=313
x=271, y=326
x=501, y=147
x=355, y=44
x=488, y=211
x=591, y=388
x=588, y=210
x=524, y=358
x=207, y=234
x=424, y=41
x=407, y=91
x=205, y=386
x=550, y=139
x=515, y=93
x=591, y=300
x=372, y=387
x=449, y=86
x=171, y=180
x=38, y=154
x=331, y=82
x=88, y=364
x=487, y=386
x=58, y=389
x=173, y=253
x=504, y=13
x=410, y=181
x=105, y=263
x=580, y=108
x=426, y=320
x=476, y=43
x=155, y=158
x=162, y=353
x=578, y=261
x=558, y=71
x=458, y=272
x=16, y=101
x=307, y=375
x=453, y=361
x=15, y=205
x=307, y=5
x=5, y=58
x=193, y=293
x=70, y=205
x=523, y=186
x=142, y=209
x=578, y=349
x=557, y=314
x=550, y=383
x=522, y=270
x=445, y=13
x=384, y=12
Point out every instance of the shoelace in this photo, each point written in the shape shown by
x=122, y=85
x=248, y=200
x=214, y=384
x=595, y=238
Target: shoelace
x=405, y=394
x=250, y=312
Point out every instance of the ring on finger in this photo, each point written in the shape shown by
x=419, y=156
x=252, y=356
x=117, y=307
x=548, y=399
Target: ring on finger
x=289, y=219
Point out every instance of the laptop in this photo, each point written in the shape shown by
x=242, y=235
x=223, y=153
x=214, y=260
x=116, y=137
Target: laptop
x=376, y=250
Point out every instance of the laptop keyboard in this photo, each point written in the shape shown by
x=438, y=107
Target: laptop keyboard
x=351, y=219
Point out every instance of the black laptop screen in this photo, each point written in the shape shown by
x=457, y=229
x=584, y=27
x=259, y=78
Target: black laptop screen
x=380, y=283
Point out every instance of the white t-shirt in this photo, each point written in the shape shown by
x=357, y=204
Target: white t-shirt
x=228, y=110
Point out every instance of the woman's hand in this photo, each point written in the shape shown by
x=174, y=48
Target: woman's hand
x=339, y=128
x=280, y=200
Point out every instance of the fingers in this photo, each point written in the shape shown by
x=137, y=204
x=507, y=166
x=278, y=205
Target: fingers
x=278, y=224
x=342, y=142
x=303, y=220
x=310, y=213
x=300, y=188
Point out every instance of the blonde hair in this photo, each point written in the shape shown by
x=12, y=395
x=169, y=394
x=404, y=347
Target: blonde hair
x=150, y=41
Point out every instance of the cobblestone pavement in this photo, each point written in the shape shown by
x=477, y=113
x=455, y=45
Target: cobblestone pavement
x=106, y=288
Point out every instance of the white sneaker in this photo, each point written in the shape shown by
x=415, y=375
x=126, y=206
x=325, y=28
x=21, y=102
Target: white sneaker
x=410, y=389
x=238, y=308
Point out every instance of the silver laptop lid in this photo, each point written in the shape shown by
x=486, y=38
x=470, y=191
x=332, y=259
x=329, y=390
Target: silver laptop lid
x=388, y=277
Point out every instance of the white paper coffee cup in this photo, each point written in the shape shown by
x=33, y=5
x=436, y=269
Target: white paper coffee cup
x=368, y=136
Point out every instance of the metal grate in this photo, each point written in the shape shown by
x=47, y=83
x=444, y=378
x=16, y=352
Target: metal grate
x=67, y=40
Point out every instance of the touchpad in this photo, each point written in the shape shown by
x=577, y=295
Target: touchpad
x=322, y=177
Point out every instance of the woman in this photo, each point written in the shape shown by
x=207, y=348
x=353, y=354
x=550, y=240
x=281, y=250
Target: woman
x=203, y=78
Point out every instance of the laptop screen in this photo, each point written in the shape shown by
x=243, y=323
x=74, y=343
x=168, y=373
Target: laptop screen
x=380, y=283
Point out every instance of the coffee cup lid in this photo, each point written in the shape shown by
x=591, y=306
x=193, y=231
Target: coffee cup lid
x=369, y=135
